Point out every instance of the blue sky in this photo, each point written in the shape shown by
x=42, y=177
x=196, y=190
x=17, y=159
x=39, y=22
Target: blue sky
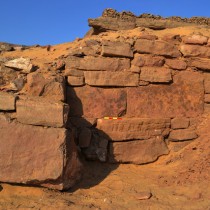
x=56, y=21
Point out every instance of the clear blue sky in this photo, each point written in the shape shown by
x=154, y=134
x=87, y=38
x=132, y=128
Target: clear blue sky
x=57, y=21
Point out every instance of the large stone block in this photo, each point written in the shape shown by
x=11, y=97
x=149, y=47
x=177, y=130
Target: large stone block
x=89, y=63
x=182, y=135
x=137, y=152
x=147, y=60
x=182, y=98
x=75, y=81
x=156, y=74
x=157, y=47
x=195, y=39
x=178, y=123
x=95, y=102
x=107, y=78
x=46, y=85
x=176, y=64
x=38, y=111
x=200, y=63
x=134, y=128
x=118, y=49
x=38, y=156
x=195, y=51
x=7, y=101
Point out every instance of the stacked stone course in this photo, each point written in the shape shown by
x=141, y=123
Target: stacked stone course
x=156, y=88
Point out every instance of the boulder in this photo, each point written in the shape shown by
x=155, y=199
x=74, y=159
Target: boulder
x=156, y=74
x=195, y=51
x=178, y=123
x=39, y=111
x=107, y=78
x=116, y=49
x=23, y=64
x=7, y=101
x=137, y=152
x=157, y=48
x=182, y=135
x=38, y=156
x=179, y=99
x=93, y=102
x=89, y=63
x=134, y=128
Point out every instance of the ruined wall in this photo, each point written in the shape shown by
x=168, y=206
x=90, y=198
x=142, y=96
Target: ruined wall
x=121, y=101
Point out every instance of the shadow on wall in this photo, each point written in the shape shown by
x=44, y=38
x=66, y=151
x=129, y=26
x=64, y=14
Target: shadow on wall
x=92, y=143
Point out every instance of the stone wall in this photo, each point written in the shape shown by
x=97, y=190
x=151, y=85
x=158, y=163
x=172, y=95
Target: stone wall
x=128, y=101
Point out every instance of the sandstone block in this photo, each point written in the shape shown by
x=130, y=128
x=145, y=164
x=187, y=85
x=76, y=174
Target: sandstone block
x=195, y=39
x=92, y=102
x=155, y=74
x=178, y=123
x=38, y=111
x=195, y=51
x=182, y=135
x=147, y=60
x=23, y=64
x=46, y=85
x=137, y=152
x=200, y=63
x=178, y=145
x=74, y=72
x=118, y=49
x=7, y=101
x=106, y=78
x=182, y=98
x=108, y=23
x=76, y=81
x=176, y=64
x=38, y=156
x=89, y=63
x=207, y=86
x=157, y=47
x=135, y=69
x=134, y=128
x=207, y=98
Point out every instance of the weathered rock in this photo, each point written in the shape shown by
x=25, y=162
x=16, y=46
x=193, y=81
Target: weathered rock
x=195, y=39
x=143, y=195
x=200, y=63
x=134, y=128
x=45, y=85
x=7, y=75
x=117, y=49
x=207, y=98
x=107, y=23
x=137, y=152
x=147, y=60
x=156, y=74
x=84, y=137
x=76, y=81
x=7, y=101
x=38, y=156
x=74, y=72
x=207, y=108
x=157, y=47
x=179, y=99
x=182, y=135
x=195, y=51
x=158, y=24
x=18, y=83
x=178, y=123
x=107, y=78
x=95, y=102
x=135, y=69
x=23, y=64
x=178, y=145
x=207, y=82
x=147, y=36
x=98, y=63
x=39, y=111
x=176, y=64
